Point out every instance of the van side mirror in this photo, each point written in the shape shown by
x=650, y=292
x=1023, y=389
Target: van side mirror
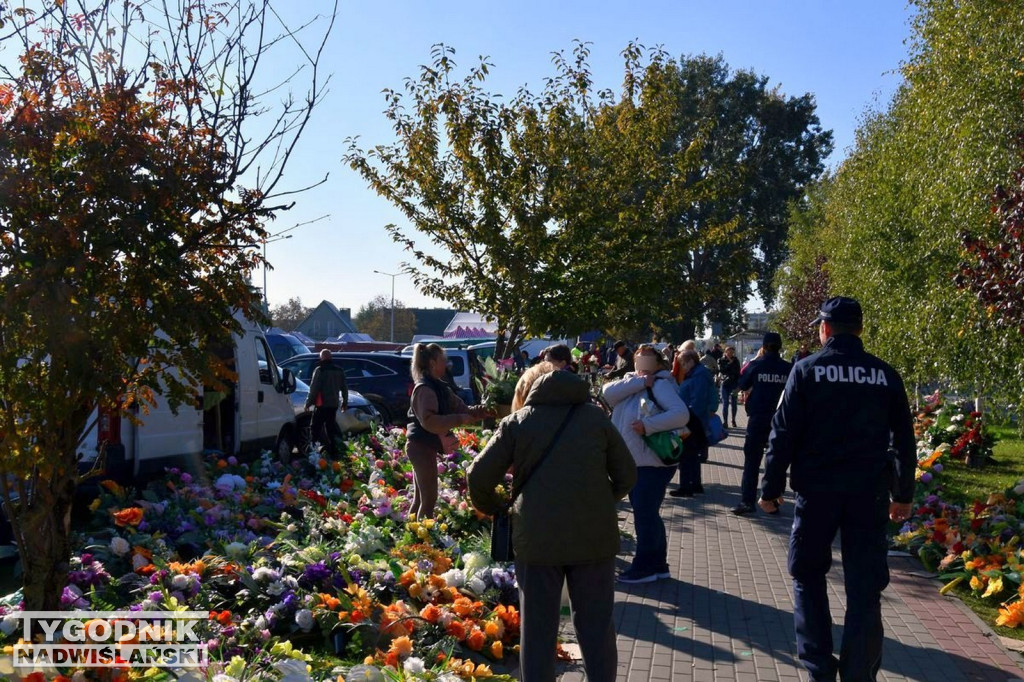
x=287, y=381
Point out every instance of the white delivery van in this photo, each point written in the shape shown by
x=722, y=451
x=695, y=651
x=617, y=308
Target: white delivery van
x=255, y=413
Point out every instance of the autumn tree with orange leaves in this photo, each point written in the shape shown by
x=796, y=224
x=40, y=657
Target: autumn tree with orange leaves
x=140, y=161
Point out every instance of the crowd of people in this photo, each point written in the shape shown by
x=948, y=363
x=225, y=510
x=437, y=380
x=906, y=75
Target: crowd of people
x=838, y=419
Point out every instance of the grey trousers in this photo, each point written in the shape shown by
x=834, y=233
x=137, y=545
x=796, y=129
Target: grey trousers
x=591, y=595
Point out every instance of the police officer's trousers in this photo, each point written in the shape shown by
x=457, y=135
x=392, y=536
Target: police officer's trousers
x=759, y=427
x=860, y=518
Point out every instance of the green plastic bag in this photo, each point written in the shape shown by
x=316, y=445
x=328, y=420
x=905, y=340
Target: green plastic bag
x=667, y=445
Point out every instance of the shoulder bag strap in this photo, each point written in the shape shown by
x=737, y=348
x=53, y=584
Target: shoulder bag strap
x=551, y=445
x=650, y=394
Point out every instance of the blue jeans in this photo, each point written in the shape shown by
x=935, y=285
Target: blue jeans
x=729, y=394
x=646, y=498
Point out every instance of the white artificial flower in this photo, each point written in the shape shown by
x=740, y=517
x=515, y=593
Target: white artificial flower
x=454, y=578
x=474, y=561
x=414, y=666
x=236, y=550
x=951, y=428
x=119, y=546
x=139, y=561
x=365, y=673
x=181, y=582
x=476, y=585
x=1019, y=488
x=224, y=678
x=264, y=573
x=304, y=619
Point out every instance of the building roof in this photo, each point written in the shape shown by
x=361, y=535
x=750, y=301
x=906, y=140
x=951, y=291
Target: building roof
x=431, y=321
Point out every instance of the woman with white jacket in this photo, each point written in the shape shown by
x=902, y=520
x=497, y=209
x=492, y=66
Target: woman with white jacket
x=667, y=413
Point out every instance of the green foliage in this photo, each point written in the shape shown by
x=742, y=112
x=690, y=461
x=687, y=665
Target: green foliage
x=374, y=318
x=569, y=210
x=921, y=173
x=290, y=315
x=126, y=210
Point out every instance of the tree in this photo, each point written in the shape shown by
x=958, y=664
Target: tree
x=288, y=316
x=484, y=182
x=755, y=150
x=136, y=189
x=994, y=272
x=374, y=319
x=570, y=210
x=802, y=284
x=919, y=176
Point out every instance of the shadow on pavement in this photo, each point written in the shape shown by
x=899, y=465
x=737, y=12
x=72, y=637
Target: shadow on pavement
x=763, y=629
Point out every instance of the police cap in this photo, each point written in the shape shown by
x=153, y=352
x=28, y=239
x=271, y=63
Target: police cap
x=772, y=338
x=840, y=309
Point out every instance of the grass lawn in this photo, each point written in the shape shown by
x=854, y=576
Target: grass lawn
x=962, y=484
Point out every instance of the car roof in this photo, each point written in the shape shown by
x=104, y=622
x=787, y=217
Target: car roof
x=359, y=355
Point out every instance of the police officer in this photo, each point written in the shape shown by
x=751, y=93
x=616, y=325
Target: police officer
x=763, y=380
x=842, y=413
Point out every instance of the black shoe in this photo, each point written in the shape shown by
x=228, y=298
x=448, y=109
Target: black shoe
x=742, y=509
x=681, y=492
x=735, y=425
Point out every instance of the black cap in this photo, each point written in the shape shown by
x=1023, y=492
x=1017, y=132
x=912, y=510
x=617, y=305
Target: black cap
x=771, y=337
x=840, y=309
x=619, y=344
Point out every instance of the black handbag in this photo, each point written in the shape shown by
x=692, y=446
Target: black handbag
x=501, y=522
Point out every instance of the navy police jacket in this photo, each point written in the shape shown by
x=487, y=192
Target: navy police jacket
x=764, y=377
x=842, y=411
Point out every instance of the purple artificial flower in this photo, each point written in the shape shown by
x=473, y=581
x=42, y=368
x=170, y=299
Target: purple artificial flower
x=317, y=572
x=926, y=477
x=186, y=478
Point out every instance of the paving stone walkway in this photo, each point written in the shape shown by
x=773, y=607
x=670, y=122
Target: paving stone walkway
x=727, y=614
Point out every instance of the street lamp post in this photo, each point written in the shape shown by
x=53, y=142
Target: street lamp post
x=392, y=276
x=274, y=238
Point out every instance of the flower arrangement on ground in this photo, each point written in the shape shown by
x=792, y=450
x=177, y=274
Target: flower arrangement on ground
x=315, y=564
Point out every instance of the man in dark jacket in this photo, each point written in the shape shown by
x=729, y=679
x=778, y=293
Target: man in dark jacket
x=763, y=380
x=729, y=374
x=623, y=361
x=564, y=524
x=842, y=413
x=326, y=387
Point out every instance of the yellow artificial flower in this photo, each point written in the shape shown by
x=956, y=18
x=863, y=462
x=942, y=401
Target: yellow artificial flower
x=995, y=586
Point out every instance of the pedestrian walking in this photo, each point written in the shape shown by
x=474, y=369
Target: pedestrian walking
x=729, y=372
x=564, y=522
x=698, y=391
x=762, y=381
x=434, y=410
x=651, y=382
x=843, y=413
x=327, y=391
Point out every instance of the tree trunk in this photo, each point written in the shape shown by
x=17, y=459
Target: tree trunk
x=42, y=528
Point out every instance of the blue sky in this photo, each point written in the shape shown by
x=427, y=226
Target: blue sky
x=845, y=53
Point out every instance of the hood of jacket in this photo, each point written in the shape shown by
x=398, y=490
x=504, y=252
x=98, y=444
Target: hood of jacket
x=558, y=388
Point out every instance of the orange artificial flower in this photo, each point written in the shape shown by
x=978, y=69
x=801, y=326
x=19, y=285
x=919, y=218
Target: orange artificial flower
x=222, y=464
x=456, y=629
x=401, y=646
x=497, y=651
x=112, y=486
x=493, y=629
x=131, y=516
x=476, y=639
x=407, y=578
x=1011, y=616
x=483, y=671
x=430, y=613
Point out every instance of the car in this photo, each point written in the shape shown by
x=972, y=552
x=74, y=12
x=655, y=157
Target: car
x=382, y=378
x=284, y=346
x=466, y=371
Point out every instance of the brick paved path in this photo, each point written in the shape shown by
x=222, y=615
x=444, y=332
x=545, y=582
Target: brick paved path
x=726, y=614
